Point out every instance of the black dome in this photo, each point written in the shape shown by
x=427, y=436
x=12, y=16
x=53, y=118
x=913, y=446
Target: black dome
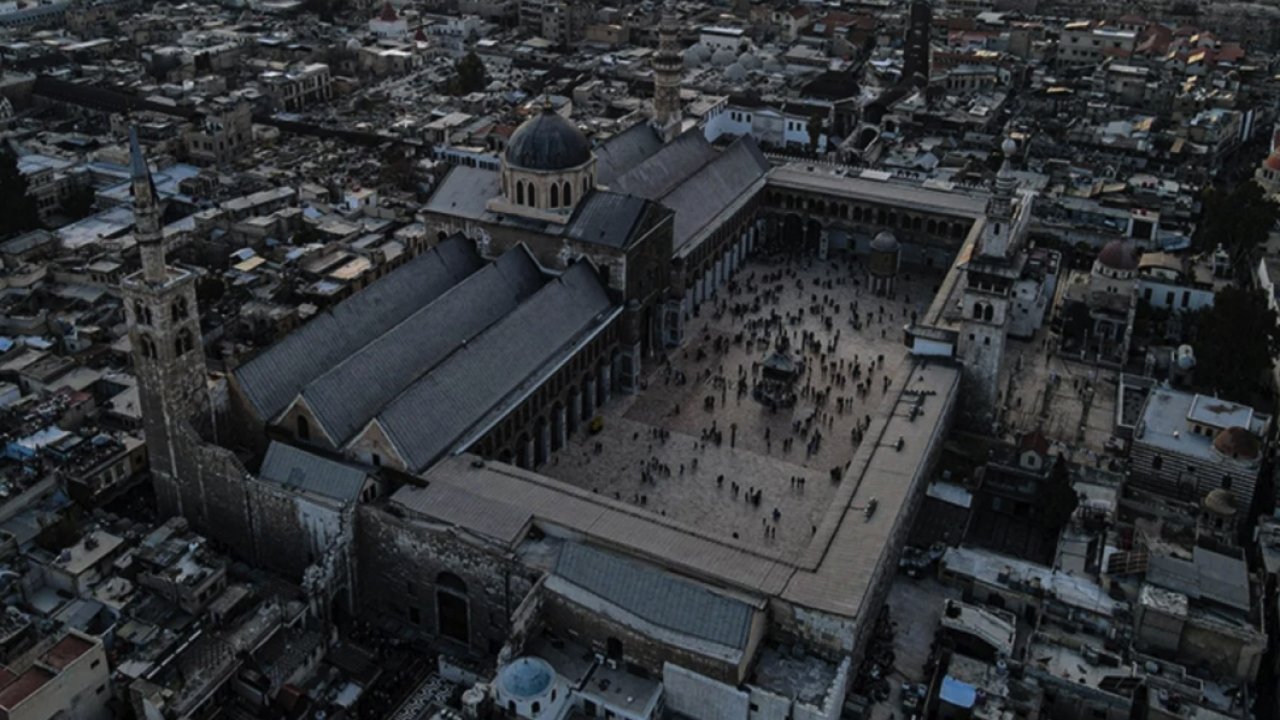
x=547, y=142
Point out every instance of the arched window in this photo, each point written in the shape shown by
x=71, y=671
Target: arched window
x=554, y=200
x=448, y=581
x=148, y=347
x=537, y=707
x=568, y=194
x=303, y=429
x=519, y=192
x=988, y=312
x=179, y=309
x=182, y=343
x=1156, y=462
x=533, y=196
x=977, y=311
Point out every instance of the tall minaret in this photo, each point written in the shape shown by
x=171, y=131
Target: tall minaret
x=668, y=66
x=986, y=302
x=147, y=231
x=168, y=352
x=997, y=236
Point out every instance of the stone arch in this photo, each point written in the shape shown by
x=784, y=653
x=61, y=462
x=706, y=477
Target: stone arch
x=977, y=311
x=519, y=192
x=567, y=194
x=916, y=223
x=533, y=196
x=553, y=199
x=179, y=310
x=148, y=347
x=453, y=608
x=931, y=227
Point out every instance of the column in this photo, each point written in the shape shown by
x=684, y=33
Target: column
x=589, y=400
x=561, y=426
x=606, y=384
x=544, y=442
x=824, y=244
x=575, y=410
x=526, y=453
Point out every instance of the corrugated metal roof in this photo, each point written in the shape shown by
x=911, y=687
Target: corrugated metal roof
x=296, y=468
x=656, y=596
x=429, y=417
x=350, y=394
x=272, y=379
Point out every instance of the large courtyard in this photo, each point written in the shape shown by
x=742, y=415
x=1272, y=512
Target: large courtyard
x=696, y=445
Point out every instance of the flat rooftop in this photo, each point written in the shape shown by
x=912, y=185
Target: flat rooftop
x=871, y=188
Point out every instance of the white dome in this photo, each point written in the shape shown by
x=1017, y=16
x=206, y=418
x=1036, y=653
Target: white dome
x=691, y=58
x=735, y=73
x=749, y=61
x=1009, y=146
x=704, y=52
x=723, y=58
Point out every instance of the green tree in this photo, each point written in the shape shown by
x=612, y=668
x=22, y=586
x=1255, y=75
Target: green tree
x=79, y=203
x=1060, y=500
x=1235, y=341
x=1239, y=219
x=815, y=128
x=20, y=211
x=469, y=75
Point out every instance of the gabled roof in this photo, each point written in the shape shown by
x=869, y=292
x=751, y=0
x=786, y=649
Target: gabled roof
x=606, y=218
x=715, y=187
x=664, y=170
x=296, y=469
x=480, y=380
x=382, y=369
x=624, y=151
x=273, y=379
x=655, y=596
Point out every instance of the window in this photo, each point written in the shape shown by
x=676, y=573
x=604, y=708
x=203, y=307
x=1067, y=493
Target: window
x=519, y=192
x=302, y=427
x=1226, y=482
x=533, y=196
x=179, y=310
x=148, y=347
x=183, y=343
x=1156, y=462
x=555, y=196
x=568, y=194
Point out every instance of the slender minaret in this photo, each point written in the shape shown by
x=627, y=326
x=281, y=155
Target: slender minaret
x=667, y=68
x=168, y=352
x=146, y=214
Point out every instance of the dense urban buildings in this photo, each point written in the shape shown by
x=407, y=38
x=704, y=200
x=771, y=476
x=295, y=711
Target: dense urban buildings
x=555, y=359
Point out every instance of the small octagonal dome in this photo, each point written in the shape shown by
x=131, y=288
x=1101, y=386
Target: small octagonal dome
x=884, y=242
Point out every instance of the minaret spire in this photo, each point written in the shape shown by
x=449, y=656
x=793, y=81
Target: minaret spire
x=668, y=66
x=146, y=215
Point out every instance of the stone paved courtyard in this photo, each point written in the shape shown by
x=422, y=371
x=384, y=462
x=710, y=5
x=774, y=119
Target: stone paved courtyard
x=650, y=442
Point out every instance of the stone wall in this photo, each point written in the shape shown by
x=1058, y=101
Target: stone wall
x=402, y=559
x=699, y=696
